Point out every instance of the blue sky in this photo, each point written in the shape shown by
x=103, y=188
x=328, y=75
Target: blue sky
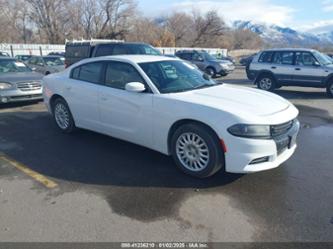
x=306, y=15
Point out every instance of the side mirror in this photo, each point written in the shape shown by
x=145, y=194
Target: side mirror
x=316, y=64
x=33, y=69
x=135, y=87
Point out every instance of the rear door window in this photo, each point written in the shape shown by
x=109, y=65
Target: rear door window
x=185, y=56
x=120, y=49
x=104, y=50
x=266, y=57
x=91, y=72
x=284, y=58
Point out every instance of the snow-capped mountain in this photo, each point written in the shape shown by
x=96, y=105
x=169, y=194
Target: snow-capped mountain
x=277, y=35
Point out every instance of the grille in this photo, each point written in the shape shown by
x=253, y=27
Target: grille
x=29, y=86
x=278, y=130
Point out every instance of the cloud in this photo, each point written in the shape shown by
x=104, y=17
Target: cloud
x=318, y=27
x=263, y=11
x=327, y=5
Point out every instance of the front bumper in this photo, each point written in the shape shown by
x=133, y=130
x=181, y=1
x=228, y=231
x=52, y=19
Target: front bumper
x=243, y=152
x=16, y=95
x=226, y=70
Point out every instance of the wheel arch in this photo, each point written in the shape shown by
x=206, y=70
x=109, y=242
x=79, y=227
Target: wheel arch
x=329, y=79
x=212, y=67
x=264, y=72
x=182, y=122
x=53, y=99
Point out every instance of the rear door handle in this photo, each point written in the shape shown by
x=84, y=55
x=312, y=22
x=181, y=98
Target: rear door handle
x=68, y=88
x=297, y=69
x=273, y=67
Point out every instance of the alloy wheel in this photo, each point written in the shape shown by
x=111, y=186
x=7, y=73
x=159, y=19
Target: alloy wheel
x=265, y=83
x=61, y=115
x=192, y=151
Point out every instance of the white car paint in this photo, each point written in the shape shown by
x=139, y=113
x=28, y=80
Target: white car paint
x=146, y=118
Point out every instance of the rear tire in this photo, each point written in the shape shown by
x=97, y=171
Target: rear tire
x=62, y=116
x=266, y=82
x=330, y=89
x=196, y=150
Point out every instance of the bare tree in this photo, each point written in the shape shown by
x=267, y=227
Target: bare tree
x=246, y=39
x=53, y=21
x=146, y=30
x=51, y=17
x=181, y=25
x=117, y=16
x=207, y=27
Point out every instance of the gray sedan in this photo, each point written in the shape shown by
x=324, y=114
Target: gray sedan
x=18, y=82
x=46, y=64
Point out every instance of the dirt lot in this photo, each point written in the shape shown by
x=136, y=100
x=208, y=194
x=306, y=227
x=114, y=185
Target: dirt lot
x=89, y=187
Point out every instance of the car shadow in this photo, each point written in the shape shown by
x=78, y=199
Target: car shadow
x=299, y=94
x=18, y=104
x=90, y=158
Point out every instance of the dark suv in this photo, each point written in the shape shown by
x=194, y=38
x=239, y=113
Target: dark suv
x=79, y=50
x=206, y=62
x=271, y=69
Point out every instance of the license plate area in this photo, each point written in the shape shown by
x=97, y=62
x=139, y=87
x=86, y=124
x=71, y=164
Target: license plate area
x=288, y=140
x=282, y=143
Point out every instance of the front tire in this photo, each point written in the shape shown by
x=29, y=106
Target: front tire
x=196, y=150
x=266, y=82
x=330, y=89
x=63, y=117
x=211, y=72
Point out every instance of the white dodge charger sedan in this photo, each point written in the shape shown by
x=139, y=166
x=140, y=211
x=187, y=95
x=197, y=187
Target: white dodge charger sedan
x=169, y=106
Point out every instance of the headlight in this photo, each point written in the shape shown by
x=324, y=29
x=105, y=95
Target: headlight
x=251, y=131
x=224, y=65
x=4, y=86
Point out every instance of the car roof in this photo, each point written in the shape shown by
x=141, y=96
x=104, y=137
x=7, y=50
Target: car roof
x=52, y=56
x=290, y=49
x=4, y=58
x=190, y=51
x=134, y=58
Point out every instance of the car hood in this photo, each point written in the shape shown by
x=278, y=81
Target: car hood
x=329, y=67
x=20, y=77
x=220, y=61
x=57, y=68
x=237, y=99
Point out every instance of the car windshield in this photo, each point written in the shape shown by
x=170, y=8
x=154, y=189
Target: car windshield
x=12, y=66
x=176, y=76
x=54, y=61
x=323, y=60
x=25, y=57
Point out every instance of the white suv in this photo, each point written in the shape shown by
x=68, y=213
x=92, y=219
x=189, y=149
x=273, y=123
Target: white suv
x=275, y=68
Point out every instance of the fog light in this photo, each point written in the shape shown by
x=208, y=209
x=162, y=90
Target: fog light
x=260, y=160
x=4, y=99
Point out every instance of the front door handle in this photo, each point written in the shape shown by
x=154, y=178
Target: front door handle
x=273, y=67
x=104, y=98
x=68, y=88
x=297, y=69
